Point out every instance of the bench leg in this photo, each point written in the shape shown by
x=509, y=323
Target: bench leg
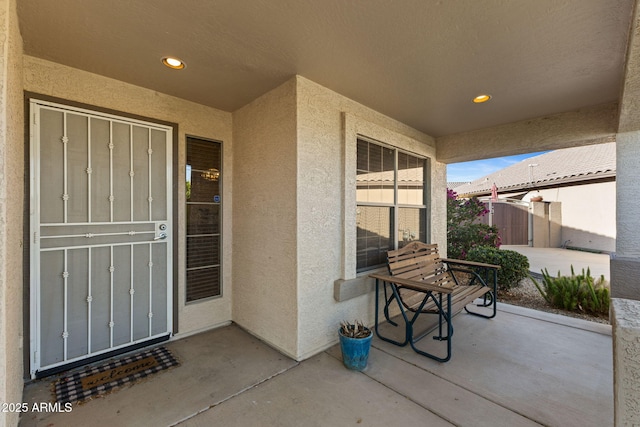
x=444, y=319
x=492, y=296
x=444, y=315
x=395, y=296
x=387, y=300
x=490, y=303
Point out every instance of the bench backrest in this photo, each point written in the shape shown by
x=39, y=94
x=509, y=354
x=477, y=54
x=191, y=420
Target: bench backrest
x=418, y=261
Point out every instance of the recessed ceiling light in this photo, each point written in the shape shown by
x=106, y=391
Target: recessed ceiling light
x=481, y=98
x=174, y=63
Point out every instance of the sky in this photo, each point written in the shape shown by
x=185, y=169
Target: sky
x=470, y=171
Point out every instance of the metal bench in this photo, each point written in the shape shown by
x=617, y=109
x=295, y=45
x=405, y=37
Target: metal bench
x=421, y=282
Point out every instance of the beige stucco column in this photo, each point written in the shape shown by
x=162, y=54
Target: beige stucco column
x=625, y=284
x=11, y=206
x=625, y=266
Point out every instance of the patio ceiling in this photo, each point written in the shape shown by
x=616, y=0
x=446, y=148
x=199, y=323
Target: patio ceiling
x=418, y=61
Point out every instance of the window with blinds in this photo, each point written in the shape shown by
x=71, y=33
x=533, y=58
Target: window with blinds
x=204, y=204
x=391, y=198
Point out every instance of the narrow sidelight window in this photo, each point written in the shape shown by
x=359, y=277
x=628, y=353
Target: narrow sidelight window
x=204, y=208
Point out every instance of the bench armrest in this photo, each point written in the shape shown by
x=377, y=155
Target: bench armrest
x=470, y=263
x=414, y=284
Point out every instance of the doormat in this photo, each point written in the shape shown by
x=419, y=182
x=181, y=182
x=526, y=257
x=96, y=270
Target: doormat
x=102, y=379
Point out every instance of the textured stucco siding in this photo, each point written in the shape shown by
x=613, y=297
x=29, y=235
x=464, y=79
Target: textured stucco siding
x=590, y=125
x=59, y=81
x=625, y=266
x=264, y=209
x=625, y=315
x=588, y=214
x=11, y=210
x=628, y=193
x=328, y=124
x=439, y=206
x=540, y=224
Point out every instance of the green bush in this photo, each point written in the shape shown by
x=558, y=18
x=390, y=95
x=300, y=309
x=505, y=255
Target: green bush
x=576, y=292
x=514, y=266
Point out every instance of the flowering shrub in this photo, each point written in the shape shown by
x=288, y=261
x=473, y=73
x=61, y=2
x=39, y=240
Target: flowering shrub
x=463, y=229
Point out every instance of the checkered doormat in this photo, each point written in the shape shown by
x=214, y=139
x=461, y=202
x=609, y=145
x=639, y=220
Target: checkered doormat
x=102, y=379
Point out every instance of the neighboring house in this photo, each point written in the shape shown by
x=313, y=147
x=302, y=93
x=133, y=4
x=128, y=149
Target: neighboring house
x=140, y=203
x=454, y=184
x=581, y=179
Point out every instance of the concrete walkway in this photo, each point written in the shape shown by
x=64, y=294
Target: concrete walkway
x=523, y=368
x=557, y=259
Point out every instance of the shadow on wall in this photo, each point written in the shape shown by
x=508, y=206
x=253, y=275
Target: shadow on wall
x=582, y=239
x=542, y=222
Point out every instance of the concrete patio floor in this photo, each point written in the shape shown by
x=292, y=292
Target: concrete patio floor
x=560, y=260
x=523, y=368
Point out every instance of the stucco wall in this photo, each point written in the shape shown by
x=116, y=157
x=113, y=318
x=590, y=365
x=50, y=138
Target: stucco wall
x=628, y=159
x=294, y=152
x=265, y=299
x=591, y=125
x=625, y=319
x=625, y=267
x=328, y=125
x=588, y=214
x=540, y=224
x=11, y=206
x=52, y=79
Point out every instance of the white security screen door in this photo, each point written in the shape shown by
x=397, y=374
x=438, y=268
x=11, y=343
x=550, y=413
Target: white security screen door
x=101, y=252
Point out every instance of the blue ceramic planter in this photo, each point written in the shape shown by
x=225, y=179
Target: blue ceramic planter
x=355, y=351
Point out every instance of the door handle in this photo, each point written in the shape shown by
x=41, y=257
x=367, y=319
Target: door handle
x=161, y=236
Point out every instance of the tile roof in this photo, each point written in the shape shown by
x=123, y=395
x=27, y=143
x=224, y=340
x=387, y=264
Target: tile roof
x=556, y=167
x=454, y=184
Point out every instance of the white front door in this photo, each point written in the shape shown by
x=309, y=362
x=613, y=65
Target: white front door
x=101, y=229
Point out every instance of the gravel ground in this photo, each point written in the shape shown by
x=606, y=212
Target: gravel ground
x=527, y=295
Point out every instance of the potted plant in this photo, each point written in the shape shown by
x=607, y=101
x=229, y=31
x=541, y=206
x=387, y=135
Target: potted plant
x=355, y=342
x=536, y=197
